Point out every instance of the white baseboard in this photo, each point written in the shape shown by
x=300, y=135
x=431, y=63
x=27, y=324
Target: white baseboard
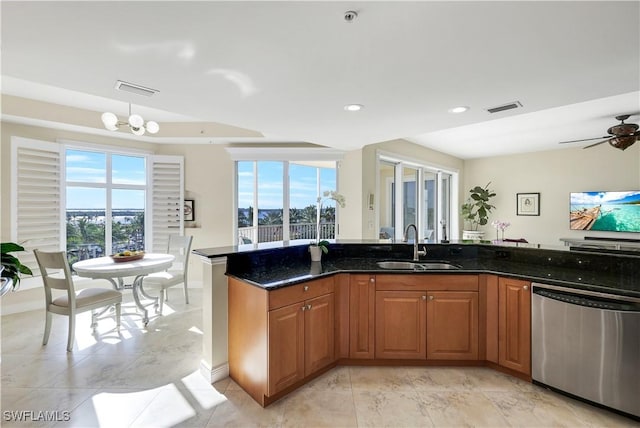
x=214, y=374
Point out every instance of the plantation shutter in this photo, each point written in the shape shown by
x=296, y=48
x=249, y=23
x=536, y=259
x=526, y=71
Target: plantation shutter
x=166, y=200
x=37, y=209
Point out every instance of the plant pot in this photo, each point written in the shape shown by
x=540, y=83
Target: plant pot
x=473, y=235
x=6, y=285
x=316, y=253
x=316, y=268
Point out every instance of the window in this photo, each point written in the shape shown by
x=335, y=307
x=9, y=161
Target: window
x=92, y=201
x=285, y=194
x=105, y=203
x=423, y=199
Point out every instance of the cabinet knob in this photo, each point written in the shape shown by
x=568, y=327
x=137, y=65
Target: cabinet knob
x=308, y=307
x=305, y=288
x=372, y=280
x=525, y=288
x=304, y=308
x=430, y=297
x=424, y=297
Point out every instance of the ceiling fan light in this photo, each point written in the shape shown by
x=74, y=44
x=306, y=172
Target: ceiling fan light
x=137, y=131
x=152, y=127
x=110, y=121
x=622, y=142
x=136, y=121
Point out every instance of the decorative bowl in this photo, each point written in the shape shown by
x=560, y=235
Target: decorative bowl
x=121, y=259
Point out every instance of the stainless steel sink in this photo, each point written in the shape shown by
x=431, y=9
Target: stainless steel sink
x=438, y=266
x=399, y=265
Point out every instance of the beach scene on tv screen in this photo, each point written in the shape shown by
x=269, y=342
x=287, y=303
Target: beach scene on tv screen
x=605, y=211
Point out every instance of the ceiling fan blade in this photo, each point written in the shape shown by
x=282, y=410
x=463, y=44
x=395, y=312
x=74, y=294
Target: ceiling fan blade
x=586, y=139
x=596, y=144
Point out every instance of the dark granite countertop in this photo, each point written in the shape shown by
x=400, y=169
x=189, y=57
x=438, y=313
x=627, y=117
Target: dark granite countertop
x=283, y=266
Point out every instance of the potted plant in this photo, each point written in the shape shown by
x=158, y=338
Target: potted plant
x=320, y=246
x=11, y=267
x=475, y=211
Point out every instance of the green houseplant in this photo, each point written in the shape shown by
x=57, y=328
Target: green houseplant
x=475, y=211
x=11, y=265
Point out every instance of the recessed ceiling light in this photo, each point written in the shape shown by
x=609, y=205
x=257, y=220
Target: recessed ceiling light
x=459, y=109
x=353, y=107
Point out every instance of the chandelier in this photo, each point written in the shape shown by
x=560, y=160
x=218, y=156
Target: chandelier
x=135, y=123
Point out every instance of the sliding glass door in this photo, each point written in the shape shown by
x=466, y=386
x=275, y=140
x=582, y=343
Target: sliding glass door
x=426, y=205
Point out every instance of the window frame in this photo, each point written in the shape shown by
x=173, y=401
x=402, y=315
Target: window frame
x=109, y=186
x=400, y=162
x=286, y=195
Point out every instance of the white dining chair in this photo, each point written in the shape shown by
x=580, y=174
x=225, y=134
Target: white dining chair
x=56, y=275
x=180, y=248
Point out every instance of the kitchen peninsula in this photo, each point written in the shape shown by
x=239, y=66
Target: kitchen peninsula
x=290, y=320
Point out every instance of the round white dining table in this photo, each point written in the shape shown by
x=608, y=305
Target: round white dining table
x=115, y=272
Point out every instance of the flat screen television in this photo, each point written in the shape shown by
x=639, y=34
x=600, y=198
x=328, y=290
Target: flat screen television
x=605, y=211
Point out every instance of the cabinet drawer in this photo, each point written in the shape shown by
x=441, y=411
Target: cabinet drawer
x=300, y=292
x=427, y=282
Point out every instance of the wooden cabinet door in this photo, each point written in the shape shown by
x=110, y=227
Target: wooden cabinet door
x=452, y=325
x=362, y=301
x=514, y=324
x=319, y=334
x=401, y=324
x=286, y=347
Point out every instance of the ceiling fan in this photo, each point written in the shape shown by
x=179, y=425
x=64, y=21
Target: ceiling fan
x=620, y=136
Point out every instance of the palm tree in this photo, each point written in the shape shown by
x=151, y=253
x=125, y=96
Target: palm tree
x=295, y=215
x=328, y=215
x=309, y=214
x=271, y=217
x=245, y=220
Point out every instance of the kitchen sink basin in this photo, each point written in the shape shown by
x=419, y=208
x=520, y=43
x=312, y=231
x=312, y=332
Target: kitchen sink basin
x=438, y=265
x=400, y=265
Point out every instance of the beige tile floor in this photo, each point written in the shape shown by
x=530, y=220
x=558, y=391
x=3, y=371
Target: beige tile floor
x=149, y=378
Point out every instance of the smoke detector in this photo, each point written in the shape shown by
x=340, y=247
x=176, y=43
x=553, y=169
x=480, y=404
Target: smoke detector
x=350, y=15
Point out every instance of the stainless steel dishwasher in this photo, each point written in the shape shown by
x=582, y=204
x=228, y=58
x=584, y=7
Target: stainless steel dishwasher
x=587, y=344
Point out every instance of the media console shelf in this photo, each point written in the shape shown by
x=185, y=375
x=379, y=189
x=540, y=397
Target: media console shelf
x=603, y=244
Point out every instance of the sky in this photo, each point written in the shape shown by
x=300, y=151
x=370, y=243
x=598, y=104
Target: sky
x=594, y=198
x=91, y=167
x=303, y=184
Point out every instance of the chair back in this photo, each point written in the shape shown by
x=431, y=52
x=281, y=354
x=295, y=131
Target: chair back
x=180, y=248
x=51, y=265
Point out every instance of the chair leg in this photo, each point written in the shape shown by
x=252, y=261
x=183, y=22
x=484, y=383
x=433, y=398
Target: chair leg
x=47, y=328
x=118, y=316
x=186, y=293
x=72, y=332
x=94, y=319
x=161, y=297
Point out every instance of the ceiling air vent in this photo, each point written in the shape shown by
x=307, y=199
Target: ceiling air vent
x=504, y=107
x=135, y=89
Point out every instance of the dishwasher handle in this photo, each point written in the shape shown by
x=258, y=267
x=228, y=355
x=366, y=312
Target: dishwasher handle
x=588, y=301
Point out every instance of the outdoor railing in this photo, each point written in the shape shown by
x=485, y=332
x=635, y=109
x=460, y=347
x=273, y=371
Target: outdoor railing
x=273, y=232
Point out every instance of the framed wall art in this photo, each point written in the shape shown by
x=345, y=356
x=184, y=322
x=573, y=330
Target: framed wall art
x=189, y=210
x=528, y=203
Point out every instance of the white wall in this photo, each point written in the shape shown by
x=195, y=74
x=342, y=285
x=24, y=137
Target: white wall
x=350, y=186
x=554, y=174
